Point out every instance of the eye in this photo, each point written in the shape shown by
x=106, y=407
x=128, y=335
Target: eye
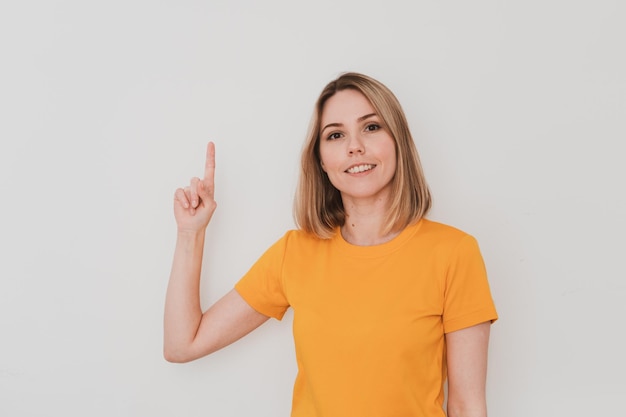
x=334, y=135
x=372, y=127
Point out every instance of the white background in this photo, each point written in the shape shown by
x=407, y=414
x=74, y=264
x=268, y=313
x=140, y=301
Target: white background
x=518, y=109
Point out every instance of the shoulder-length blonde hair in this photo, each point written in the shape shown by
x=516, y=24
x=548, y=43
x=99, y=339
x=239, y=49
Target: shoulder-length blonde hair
x=318, y=208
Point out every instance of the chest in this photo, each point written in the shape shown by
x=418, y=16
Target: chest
x=351, y=302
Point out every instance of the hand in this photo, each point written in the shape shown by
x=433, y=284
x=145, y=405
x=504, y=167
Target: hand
x=194, y=205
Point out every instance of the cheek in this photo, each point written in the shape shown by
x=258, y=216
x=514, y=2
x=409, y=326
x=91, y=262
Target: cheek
x=323, y=158
x=392, y=153
x=326, y=158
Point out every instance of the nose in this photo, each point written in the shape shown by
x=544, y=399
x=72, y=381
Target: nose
x=355, y=146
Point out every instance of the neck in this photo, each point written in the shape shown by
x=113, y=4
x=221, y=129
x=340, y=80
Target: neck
x=364, y=222
x=364, y=236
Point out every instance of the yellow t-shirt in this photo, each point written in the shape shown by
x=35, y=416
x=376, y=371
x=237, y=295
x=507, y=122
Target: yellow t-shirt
x=369, y=321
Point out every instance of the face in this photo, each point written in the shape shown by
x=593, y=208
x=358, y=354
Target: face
x=356, y=148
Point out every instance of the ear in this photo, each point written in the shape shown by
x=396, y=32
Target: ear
x=322, y=165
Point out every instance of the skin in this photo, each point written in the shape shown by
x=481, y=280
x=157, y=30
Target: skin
x=188, y=332
x=352, y=135
x=467, y=371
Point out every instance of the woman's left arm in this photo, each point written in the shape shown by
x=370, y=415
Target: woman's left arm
x=467, y=371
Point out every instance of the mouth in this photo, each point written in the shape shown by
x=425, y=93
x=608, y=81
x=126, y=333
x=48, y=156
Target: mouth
x=360, y=168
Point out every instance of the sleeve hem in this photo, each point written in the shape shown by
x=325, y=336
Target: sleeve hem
x=468, y=320
x=270, y=312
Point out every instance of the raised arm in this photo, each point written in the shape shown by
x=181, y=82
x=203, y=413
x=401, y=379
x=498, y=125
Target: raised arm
x=467, y=371
x=188, y=332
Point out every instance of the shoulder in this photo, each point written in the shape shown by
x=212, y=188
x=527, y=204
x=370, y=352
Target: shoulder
x=300, y=236
x=441, y=233
x=445, y=241
x=297, y=238
x=292, y=245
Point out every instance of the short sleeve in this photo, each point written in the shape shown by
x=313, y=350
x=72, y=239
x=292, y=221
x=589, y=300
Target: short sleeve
x=262, y=286
x=467, y=297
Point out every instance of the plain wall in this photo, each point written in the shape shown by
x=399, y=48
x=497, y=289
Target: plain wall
x=518, y=109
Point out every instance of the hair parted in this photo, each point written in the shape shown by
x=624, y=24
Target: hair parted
x=318, y=207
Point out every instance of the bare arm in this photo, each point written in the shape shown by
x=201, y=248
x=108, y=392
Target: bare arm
x=467, y=371
x=188, y=333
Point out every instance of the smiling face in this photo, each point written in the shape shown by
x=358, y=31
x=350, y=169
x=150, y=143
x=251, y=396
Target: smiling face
x=357, y=151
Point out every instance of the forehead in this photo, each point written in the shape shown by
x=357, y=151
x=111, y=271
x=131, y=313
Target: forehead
x=345, y=106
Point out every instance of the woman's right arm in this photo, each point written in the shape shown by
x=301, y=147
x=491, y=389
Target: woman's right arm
x=188, y=332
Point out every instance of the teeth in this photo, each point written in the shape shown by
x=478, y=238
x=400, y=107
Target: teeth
x=360, y=168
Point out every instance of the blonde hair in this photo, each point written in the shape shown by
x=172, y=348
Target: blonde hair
x=318, y=208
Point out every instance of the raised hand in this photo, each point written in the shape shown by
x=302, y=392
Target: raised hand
x=194, y=205
x=188, y=332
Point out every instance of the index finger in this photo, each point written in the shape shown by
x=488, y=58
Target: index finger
x=209, y=165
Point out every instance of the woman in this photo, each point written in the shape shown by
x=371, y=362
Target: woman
x=386, y=303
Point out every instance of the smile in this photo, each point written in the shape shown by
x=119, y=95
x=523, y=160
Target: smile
x=360, y=168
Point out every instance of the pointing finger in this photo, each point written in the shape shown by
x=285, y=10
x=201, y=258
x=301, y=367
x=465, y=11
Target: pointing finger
x=209, y=167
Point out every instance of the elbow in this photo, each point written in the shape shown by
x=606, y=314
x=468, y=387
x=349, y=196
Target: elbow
x=183, y=354
x=175, y=351
x=176, y=355
x=172, y=357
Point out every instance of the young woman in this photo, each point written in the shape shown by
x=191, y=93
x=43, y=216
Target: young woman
x=387, y=304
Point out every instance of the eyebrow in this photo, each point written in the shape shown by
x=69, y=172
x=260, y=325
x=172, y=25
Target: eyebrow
x=360, y=119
